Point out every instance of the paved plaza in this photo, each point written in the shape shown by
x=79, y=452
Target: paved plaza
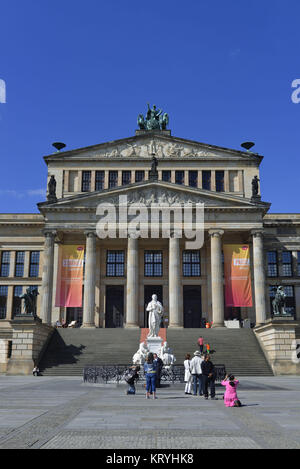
x=52, y=413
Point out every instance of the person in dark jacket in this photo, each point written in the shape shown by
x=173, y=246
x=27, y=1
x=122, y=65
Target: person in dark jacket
x=159, y=363
x=131, y=377
x=208, y=377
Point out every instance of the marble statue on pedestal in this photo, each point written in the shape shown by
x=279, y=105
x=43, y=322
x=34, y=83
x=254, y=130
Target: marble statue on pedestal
x=156, y=310
x=166, y=356
x=140, y=356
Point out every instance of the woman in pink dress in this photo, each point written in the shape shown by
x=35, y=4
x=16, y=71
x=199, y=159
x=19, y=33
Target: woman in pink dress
x=230, y=397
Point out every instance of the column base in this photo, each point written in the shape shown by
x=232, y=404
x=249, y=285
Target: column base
x=131, y=326
x=214, y=325
x=88, y=326
x=175, y=326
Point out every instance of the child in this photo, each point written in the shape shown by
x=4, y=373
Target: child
x=230, y=397
x=131, y=377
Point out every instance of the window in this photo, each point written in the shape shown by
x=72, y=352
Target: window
x=34, y=264
x=298, y=263
x=115, y=264
x=113, y=179
x=86, y=181
x=179, y=177
x=287, y=269
x=3, y=301
x=290, y=304
x=153, y=264
x=126, y=177
x=220, y=181
x=19, y=269
x=17, y=302
x=272, y=264
x=191, y=264
x=206, y=180
x=166, y=176
x=99, y=180
x=193, y=178
x=139, y=176
x=5, y=262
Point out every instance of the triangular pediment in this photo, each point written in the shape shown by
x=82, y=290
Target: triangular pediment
x=163, y=146
x=149, y=192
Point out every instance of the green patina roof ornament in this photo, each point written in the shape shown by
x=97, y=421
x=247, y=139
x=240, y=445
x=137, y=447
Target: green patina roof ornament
x=155, y=119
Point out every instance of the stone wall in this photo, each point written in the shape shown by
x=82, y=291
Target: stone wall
x=4, y=351
x=277, y=339
x=30, y=338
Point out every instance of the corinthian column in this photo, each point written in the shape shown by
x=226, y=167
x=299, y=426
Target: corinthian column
x=47, y=277
x=259, y=277
x=217, y=289
x=174, y=283
x=89, y=281
x=132, y=287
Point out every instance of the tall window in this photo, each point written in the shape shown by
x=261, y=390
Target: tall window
x=220, y=181
x=287, y=267
x=126, y=177
x=113, y=179
x=139, y=176
x=206, y=180
x=19, y=269
x=115, y=264
x=86, y=181
x=153, y=264
x=298, y=263
x=34, y=264
x=191, y=264
x=17, y=302
x=166, y=176
x=3, y=301
x=193, y=178
x=179, y=177
x=5, y=262
x=272, y=264
x=99, y=180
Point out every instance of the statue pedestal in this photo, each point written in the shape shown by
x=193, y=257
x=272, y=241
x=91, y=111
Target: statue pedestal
x=154, y=344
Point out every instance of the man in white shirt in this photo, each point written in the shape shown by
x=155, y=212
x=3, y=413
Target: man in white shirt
x=196, y=371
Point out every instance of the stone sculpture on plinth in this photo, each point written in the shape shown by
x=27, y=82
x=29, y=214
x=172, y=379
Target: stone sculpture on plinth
x=140, y=356
x=278, y=303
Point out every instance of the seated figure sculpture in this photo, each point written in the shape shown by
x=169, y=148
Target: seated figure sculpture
x=140, y=356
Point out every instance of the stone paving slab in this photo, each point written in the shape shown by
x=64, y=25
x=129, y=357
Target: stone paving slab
x=66, y=413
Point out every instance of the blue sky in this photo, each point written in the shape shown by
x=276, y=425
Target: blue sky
x=81, y=72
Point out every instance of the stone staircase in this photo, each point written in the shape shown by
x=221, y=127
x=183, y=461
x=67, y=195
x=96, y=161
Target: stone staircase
x=237, y=349
x=69, y=350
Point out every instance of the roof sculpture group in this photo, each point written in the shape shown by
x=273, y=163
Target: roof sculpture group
x=155, y=119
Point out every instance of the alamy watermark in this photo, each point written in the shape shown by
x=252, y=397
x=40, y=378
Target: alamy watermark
x=2, y=91
x=296, y=94
x=152, y=220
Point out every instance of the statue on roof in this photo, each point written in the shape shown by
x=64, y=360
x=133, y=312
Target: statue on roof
x=155, y=119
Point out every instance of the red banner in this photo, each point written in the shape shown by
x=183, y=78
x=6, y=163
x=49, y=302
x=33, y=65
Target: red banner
x=70, y=276
x=237, y=274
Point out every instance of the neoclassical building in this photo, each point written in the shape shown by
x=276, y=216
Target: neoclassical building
x=121, y=274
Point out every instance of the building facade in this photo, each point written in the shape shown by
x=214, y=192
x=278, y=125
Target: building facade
x=121, y=274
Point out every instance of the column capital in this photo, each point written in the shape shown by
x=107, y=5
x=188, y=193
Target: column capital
x=90, y=234
x=49, y=233
x=216, y=232
x=258, y=233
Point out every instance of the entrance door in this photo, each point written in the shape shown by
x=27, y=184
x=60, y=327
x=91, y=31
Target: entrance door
x=192, y=306
x=150, y=290
x=114, y=310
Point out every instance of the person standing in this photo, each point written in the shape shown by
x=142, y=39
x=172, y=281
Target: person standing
x=196, y=371
x=159, y=364
x=208, y=377
x=201, y=343
x=150, y=368
x=188, y=378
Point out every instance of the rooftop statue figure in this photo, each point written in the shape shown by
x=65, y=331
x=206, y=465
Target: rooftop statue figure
x=155, y=119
